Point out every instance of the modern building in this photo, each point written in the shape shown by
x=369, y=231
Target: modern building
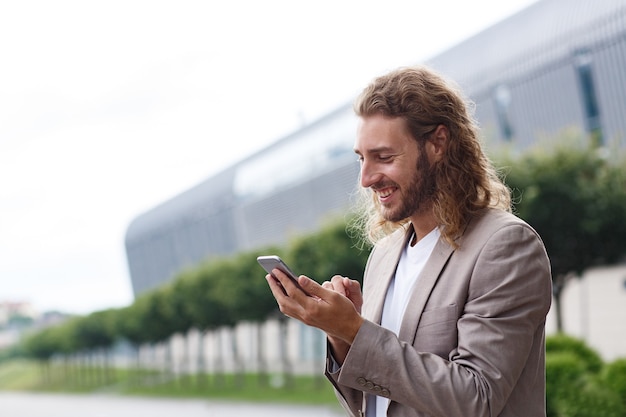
x=557, y=64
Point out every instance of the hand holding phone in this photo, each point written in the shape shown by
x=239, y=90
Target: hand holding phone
x=270, y=262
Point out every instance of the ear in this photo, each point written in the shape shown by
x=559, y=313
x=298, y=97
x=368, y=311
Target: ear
x=437, y=144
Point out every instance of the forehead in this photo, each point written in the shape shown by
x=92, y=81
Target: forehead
x=381, y=132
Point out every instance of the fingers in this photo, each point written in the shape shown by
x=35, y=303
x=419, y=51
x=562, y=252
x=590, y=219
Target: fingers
x=354, y=293
x=316, y=305
x=286, y=304
x=292, y=295
x=352, y=285
x=343, y=285
x=292, y=288
x=293, y=300
x=276, y=287
x=336, y=284
x=349, y=288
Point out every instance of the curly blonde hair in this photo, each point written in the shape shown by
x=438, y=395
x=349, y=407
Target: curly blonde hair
x=465, y=179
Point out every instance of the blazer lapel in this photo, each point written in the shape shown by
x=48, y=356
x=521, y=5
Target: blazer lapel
x=422, y=289
x=383, y=270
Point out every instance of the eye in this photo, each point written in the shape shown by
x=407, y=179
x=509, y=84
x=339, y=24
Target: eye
x=385, y=158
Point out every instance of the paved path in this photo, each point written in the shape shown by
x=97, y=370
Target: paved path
x=19, y=404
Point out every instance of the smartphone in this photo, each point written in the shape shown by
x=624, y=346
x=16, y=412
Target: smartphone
x=270, y=262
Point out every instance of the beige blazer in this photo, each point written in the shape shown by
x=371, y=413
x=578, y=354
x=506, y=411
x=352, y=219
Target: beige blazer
x=471, y=341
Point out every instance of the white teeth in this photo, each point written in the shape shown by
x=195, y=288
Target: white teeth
x=384, y=194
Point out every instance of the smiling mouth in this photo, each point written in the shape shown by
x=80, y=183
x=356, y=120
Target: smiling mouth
x=384, y=193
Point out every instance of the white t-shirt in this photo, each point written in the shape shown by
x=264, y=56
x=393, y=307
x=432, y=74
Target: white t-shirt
x=411, y=264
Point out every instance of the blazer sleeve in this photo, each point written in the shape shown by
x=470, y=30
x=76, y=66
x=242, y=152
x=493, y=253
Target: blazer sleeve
x=504, y=296
x=350, y=399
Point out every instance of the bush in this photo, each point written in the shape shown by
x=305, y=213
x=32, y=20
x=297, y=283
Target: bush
x=562, y=343
x=564, y=377
x=614, y=376
x=578, y=384
x=593, y=400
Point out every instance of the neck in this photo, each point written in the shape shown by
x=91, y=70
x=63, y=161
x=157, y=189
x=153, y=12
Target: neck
x=423, y=224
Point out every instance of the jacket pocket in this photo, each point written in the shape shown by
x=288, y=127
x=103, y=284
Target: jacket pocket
x=438, y=315
x=437, y=332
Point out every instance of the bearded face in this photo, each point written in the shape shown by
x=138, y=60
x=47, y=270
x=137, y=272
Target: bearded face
x=395, y=167
x=415, y=195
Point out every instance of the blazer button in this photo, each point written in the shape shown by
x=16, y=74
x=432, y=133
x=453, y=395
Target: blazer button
x=385, y=392
x=369, y=385
x=361, y=381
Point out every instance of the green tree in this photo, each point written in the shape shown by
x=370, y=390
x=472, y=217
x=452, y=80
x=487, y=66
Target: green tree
x=161, y=315
x=44, y=344
x=96, y=330
x=201, y=302
x=129, y=327
x=575, y=197
x=330, y=251
x=95, y=333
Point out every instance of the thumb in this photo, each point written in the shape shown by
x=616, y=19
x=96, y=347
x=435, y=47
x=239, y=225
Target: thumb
x=311, y=287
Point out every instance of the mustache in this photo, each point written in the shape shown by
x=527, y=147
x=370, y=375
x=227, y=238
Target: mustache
x=383, y=185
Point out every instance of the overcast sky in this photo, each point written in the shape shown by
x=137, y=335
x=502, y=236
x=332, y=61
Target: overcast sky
x=108, y=108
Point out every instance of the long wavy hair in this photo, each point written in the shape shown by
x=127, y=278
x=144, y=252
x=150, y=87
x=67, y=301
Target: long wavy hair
x=465, y=179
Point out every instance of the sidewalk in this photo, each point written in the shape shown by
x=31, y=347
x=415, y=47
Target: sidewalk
x=20, y=404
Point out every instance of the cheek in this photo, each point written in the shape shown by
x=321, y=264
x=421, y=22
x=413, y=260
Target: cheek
x=405, y=173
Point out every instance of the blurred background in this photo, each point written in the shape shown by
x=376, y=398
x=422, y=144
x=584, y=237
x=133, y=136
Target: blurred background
x=150, y=150
x=107, y=109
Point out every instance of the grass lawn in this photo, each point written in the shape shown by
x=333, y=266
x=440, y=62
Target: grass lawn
x=31, y=376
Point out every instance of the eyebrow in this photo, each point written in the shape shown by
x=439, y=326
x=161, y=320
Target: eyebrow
x=374, y=150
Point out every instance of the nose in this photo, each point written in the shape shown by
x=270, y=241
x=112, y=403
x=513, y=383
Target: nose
x=369, y=176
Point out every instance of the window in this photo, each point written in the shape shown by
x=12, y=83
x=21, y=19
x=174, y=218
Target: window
x=502, y=100
x=584, y=70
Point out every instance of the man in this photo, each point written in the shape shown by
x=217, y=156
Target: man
x=456, y=290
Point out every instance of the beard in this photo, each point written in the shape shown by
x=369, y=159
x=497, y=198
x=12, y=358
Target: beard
x=418, y=196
